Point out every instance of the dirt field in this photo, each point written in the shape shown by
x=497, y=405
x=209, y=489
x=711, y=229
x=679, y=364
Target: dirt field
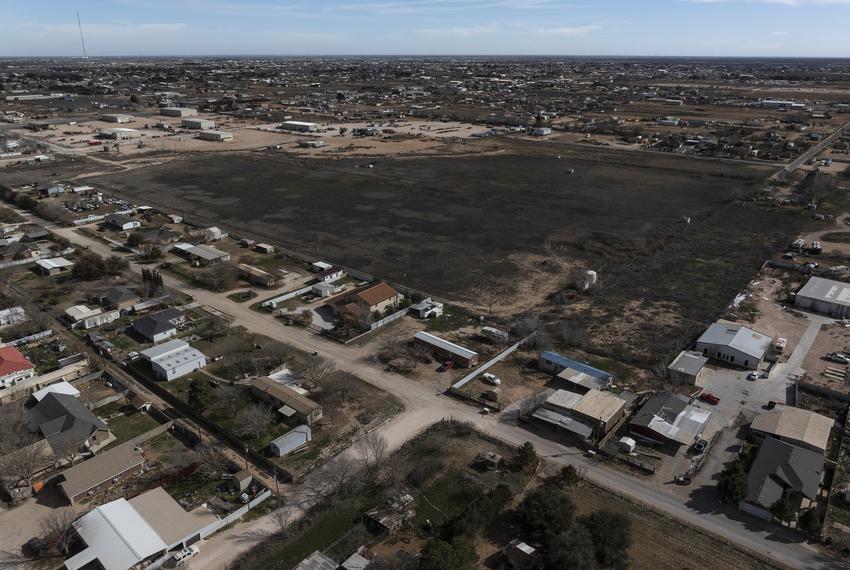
x=498, y=227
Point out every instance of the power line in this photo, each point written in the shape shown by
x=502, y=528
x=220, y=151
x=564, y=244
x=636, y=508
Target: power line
x=82, y=41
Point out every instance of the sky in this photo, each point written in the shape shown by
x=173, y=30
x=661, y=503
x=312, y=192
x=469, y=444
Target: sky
x=747, y=28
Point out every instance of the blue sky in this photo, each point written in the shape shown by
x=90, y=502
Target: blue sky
x=442, y=27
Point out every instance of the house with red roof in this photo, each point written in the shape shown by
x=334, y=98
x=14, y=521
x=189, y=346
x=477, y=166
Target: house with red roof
x=14, y=367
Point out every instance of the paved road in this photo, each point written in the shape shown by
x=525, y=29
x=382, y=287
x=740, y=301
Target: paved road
x=812, y=152
x=425, y=405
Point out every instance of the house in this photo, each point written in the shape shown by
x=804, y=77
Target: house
x=76, y=313
x=18, y=251
x=160, y=326
x=318, y=266
x=159, y=236
x=12, y=316
x=361, y=303
x=330, y=275
x=122, y=222
x=61, y=387
x=295, y=408
x=14, y=367
x=53, y=266
x=581, y=417
x=794, y=425
x=324, y=289
x=446, y=350
x=519, y=555
x=124, y=534
x=735, y=344
x=101, y=318
x=291, y=441
x=67, y=424
x=575, y=375
x=780, y=470
x=37, y=234
x=668, y=418
x=825, y=296
x=118, y=298
x=102, y=471
x=687, y=368
x=317, y=561
x=201, y=254
x=174, y=359
x=427, y=309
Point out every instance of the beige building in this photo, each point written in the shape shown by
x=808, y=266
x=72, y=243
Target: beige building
x=295, y=408
x=793, y=425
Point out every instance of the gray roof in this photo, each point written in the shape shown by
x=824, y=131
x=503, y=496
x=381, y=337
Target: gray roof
x=688, y=362
x=828, y=290
x=737, y=337
x=119, y=219
x=157, y=323
x=115, y=295
x=665, y=404
x=293, y=439
x=100, y=468
x=781, y=466
x=317, y=561
x=63, y=420
x=564, y=421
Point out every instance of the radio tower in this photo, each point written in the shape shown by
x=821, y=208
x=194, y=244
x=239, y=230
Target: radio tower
x=82, y=41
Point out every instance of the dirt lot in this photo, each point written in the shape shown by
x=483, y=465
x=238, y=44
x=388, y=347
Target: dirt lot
x=832, y=338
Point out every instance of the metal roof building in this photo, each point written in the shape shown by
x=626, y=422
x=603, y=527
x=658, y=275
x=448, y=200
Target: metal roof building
x=824, y=296
x=795, y=425
x=173, y=359
x=292, y=440
x=455, y=352
x=687, y=368
x=735, y=344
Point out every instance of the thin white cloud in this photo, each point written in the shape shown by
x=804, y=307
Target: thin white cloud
x=566, y=30
x=782, y=2
x=460, y=31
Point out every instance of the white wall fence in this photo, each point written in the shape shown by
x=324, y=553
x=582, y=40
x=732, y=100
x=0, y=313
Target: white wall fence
x=275, y=301
x=31, y=338
x=492, y=362
x=380, y=323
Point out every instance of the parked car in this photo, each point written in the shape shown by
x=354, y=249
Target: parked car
x=780, y=344
x=491, y=379
x=754, y=375
x=709, y=398
x=837, y=357
x=181, y=556
x=700, y=446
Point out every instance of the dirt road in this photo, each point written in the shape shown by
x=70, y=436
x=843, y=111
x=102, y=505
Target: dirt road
x=425, y=406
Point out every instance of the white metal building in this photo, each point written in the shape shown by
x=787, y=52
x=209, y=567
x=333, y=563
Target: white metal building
x=174, y=359
x=299, y=126
x=217, y=136
x=119, y=133
x=178, y=112
x=197, y=124
x=734, y=344
x=825, y=296
x=117, y=118
x=291, y=441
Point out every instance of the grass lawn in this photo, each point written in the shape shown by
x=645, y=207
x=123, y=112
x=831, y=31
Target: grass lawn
x=326, y=527
x=445, y=498
x=453, y=318
x=129, y=426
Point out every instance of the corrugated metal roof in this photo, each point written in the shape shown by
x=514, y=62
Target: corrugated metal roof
x=738, y=337
x=821, y=289
x=451, y=347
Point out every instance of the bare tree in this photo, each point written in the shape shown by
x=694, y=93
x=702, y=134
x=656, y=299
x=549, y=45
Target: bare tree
x=373, y=449
x=316, y=372
x=338, y=476
x=22, y=463
x=254, y=420
x=229, y=398
x=57, y=529
x=211, y=461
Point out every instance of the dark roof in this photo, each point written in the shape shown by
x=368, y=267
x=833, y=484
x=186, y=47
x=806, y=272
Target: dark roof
x=780, y=467
x=157, y=323
x=114, y=295
x=63, y=420
x=14, y=249
x=664, y=404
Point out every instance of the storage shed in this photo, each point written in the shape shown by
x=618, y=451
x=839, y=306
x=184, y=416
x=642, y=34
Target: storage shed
x=445, y=349
x=291, y=441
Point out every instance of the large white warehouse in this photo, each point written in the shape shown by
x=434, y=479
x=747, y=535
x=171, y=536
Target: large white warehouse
x=734, y=344
x=825, y=296
x=299, y=126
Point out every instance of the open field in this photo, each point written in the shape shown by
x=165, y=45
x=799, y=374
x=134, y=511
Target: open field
x=507, y=229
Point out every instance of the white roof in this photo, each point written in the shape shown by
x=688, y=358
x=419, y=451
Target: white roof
x=300, y=123
x=173, y=353
x=451, y=347
x=117, y=536
x=80, y=312
x=828, y=290
x=61, y=387
x=737, y=337
x=54, y=263
x=563, y=399
x=687, y=426
x=164, y=349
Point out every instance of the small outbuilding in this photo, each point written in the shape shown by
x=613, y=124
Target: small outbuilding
x=688, y=368
x=291, y=441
